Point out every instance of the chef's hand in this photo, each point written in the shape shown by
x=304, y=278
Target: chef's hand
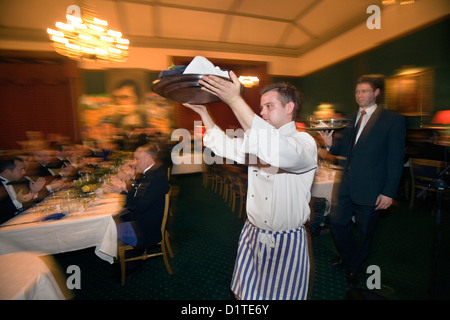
x=227, y=91
x=208, y=122
x=198, y=108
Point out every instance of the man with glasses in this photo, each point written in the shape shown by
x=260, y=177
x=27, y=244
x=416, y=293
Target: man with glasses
x=374, y=148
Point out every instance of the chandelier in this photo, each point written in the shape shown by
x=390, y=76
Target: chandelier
x=85, y=37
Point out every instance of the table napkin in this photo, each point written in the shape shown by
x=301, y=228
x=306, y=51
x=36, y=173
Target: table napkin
x=54, y=216
x=201, y=65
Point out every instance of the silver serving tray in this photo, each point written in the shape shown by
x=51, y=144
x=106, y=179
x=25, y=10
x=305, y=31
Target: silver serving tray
x=326, y=128
x=328, y=124
x=184, y=88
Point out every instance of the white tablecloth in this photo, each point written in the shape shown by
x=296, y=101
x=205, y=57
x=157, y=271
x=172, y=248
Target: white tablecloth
x=24, y=276
x=324, y=184
x=94, y=227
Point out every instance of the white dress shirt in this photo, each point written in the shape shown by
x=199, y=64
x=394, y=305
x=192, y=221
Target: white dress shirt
x=277, y=200
x=369, y=111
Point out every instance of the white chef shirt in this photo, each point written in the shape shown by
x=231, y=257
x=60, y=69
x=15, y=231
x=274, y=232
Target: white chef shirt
x=277, y=200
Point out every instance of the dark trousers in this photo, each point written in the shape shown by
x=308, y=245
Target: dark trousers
x=352, y=241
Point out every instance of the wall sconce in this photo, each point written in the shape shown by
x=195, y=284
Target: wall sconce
x=249, y=81
x=441, y=117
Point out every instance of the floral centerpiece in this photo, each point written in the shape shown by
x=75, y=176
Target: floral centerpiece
x=94, y=175
x=86, y=186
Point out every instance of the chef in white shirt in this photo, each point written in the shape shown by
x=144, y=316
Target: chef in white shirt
x=272, y=260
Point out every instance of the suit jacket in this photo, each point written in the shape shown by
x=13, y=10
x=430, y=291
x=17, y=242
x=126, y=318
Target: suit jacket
x=145, y=206
x=43, y=171
x=7, y=207
x=375, y=164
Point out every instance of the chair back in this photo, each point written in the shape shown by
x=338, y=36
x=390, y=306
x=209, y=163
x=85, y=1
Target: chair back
x=425, y=170
x=166, y=212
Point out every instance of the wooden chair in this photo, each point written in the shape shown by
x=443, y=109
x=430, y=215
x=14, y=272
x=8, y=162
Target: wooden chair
x=218, y=178
x=238, y=192
x=422, y=172
x=162, y=249
x=227, y=184
x=208, y=176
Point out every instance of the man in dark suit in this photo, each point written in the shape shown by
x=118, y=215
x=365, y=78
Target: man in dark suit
x=46, y=164
x=13, y=201
x=139, y=224
x=372, y=172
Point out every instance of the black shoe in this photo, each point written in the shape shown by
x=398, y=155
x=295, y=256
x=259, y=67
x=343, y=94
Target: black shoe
x=336, y=261
x=353, y=279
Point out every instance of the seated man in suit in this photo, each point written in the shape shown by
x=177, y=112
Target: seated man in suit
x=45, y=163
x=12, y=201
x=139, y=224
x=64, y=179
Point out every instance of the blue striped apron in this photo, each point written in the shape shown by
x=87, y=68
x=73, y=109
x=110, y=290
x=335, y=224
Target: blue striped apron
x=271, y=265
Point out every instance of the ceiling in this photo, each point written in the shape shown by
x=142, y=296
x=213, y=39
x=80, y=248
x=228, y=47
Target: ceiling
x=295, y=37
x=287, y=28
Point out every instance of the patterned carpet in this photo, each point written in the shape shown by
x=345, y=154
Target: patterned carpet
x=204, y=234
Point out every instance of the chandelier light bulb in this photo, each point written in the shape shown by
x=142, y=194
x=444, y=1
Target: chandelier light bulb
x=85, y=37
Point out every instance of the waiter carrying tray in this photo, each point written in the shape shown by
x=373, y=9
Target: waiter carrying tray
x=272, y=259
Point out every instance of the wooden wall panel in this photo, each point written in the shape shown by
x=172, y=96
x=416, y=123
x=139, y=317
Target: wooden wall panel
x=38, y=94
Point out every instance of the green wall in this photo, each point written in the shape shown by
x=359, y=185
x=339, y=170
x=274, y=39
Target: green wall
x=94, y=82
x=428, y=47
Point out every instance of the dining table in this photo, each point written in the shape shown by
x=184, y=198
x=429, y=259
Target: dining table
x=29, y=276
x=326, y=182
x=63, y=223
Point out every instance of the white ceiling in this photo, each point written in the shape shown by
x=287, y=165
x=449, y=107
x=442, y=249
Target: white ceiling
x=273, y=27
x=282, y=28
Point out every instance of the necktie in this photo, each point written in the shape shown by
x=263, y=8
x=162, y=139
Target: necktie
x=355, y=133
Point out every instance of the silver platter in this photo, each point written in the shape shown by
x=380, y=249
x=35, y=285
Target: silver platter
x=327, y=124
x=325, y=128
x=184, y=88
